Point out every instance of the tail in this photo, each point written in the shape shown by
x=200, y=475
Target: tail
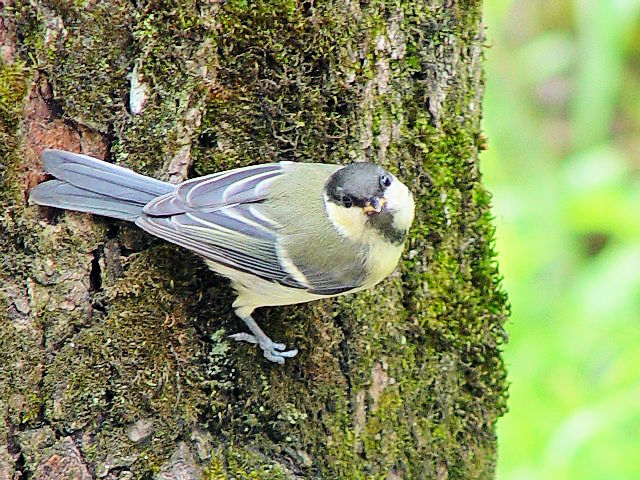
x=90, y=185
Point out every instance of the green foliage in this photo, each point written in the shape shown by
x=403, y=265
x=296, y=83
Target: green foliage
x=562, y=114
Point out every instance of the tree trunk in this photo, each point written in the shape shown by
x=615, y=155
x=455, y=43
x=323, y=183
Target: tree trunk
x=114, y=361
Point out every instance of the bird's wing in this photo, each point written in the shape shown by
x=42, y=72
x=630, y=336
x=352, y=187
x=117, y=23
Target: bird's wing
x=223, y=189
x=221, y=217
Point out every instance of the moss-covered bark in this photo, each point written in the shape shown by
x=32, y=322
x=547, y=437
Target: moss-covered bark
x=113, y=357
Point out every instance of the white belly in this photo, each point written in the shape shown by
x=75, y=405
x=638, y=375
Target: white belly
x=254, y=292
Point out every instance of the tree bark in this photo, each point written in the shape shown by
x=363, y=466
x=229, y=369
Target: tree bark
x=114, y=361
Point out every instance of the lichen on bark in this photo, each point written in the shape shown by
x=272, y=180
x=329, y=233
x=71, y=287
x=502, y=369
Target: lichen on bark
x=109, y=329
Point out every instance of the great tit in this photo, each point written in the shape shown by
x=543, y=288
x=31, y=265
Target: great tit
x=283, y=232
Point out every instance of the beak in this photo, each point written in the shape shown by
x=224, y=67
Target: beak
x=374, y=205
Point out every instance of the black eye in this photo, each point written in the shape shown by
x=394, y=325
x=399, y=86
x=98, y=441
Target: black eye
x=385, y=180
x=347, y=201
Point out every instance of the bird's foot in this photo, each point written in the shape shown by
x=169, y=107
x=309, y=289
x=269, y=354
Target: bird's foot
x=275, y=352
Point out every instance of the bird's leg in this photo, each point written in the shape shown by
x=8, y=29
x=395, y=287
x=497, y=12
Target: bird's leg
x=276, y=352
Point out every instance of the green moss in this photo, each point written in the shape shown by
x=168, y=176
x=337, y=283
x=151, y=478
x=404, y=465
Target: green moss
x=246, y=464
x=98, y=47
x=12, y=93
x=13, y=90
x=263, y=109
x=20, y=368
x=116, y=366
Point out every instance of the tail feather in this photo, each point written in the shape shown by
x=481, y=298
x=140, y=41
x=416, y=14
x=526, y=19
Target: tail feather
x=55, y=193
x=90, y=185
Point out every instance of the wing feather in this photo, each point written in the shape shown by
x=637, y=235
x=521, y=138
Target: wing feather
x=221, y=217
x=258, y=259
x=241, y=185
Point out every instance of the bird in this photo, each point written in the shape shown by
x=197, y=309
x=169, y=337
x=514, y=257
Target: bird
x=283, y=233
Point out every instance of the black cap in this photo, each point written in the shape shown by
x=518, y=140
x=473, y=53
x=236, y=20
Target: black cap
x=357, y=183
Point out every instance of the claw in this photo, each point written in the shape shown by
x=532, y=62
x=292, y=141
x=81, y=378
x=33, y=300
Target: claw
x=274, y=352
x=244, y=337
x=289, y=353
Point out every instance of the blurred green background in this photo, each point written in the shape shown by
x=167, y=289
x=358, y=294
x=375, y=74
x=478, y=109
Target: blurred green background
x=562, y=117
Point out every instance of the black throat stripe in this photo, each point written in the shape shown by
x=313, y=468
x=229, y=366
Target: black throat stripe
x=383, y=223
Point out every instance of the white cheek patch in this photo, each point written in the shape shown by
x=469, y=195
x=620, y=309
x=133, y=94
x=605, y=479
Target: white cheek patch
x=349, y=222
x=400, y=203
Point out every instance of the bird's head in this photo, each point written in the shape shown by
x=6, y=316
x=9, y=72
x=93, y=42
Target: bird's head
x=363, y=196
